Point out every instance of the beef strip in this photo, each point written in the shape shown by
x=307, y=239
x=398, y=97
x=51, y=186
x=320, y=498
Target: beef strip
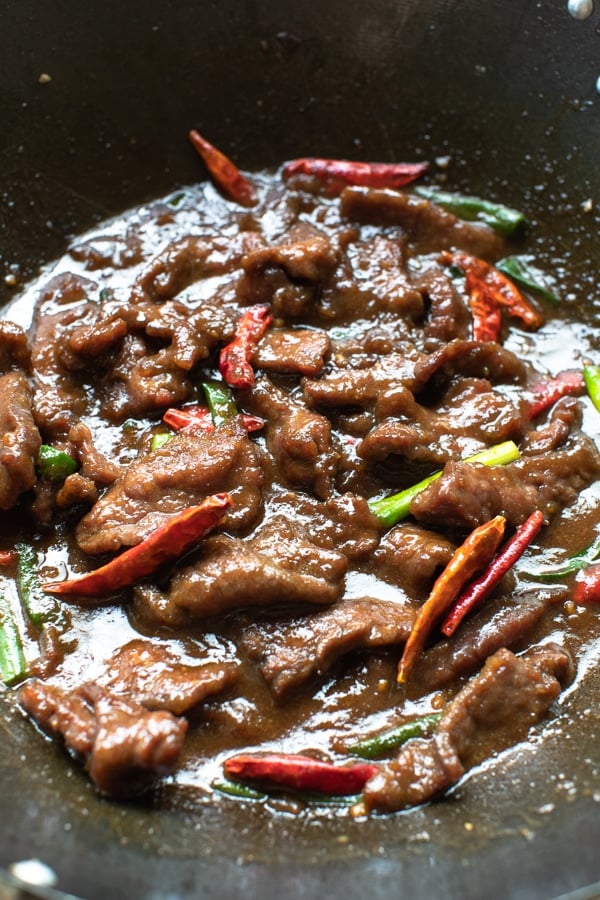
x=448, y=316
x=281, y=565
x=94, y=464
x=470, y=417
x=291, y=652
x=165, y=481
x=502, y=622
x=469, y=494
x=156, y=678
x=299, y=439
x=292, y=352
x=493, y=711
x=20, y=439
x=14, y=347
x=425, y=223
x=117, y=251
x=189, y=259
x=60, y=398
x=124, y=746
x=411, y=558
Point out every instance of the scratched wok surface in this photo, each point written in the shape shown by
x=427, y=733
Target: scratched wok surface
x=507, y=87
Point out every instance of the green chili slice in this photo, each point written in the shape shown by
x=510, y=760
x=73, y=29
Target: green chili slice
x=12, y=658
x=501, y=218
x=591, y=376
x=55, y=465
x=220, y=402
x=380, y=744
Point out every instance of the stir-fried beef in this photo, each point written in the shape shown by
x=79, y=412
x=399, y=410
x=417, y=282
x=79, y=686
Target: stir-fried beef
x=19, y=439
x=292, y=652
x=379, y=368
x=156, y=678
x=279, y=566
x=179, y=474
x=509, y=695
x=124, y=746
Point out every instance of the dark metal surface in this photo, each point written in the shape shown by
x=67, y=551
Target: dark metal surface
x=507, y=87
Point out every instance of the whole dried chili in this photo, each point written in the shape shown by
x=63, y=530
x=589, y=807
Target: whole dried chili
x=165, y=543
x=587, y=586
x=234, y=359
x=199, y=418
x=224, y=172
x=479, y=589
x=300, y=773
x=473, y=555
x=335, y=174
x=546, y=393
x=489, y=292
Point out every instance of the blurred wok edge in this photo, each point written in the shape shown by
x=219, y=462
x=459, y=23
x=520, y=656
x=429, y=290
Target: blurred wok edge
x=507, y=87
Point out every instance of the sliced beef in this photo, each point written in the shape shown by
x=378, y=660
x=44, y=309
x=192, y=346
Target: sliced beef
x=76, y=489
x=299, y=439
x=179, y=474
x=448, y=317
x=125, y=747
x=366, y=386
x=60, y=398
x=156, y=678
x=470, y=417
x=190, y=259
x=306, y=254
x=412, y=557
x=14, y=347
x=292, y=352
x=503, y=622
x=279, y=566
x=20, y=439
x=117, y=251
x=492, y=712
x=468, y=494
x=94, y=464
x=471, y=359
x=431, y=227
x=291, y=652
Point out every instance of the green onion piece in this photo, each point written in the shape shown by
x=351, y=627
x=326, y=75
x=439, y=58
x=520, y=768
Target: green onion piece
x=39, y=607
x=380, y=744
x=499, y=217
x=573, y=564
x=520, y=269
x=236, y=789
x=159, y=440
x=591, y=376
x=390, y=510
x=220, y=402
x=54, y=464
x=12, y=659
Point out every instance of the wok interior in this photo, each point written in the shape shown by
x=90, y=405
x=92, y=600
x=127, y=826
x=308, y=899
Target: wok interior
x=508, y=93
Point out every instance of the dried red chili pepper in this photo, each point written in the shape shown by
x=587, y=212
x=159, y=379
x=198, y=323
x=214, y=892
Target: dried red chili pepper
x=587, y=586
x=473, y=555
x=335, y=174
x=479, y=589
x=165, y=543
x=225, y=173
x=199, y=418
x=547, y=392
x=490, y=291
x=301, y=773
x=8, y=558
x=234, y=359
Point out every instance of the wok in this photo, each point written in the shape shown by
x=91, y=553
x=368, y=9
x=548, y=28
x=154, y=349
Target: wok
x=507, y=88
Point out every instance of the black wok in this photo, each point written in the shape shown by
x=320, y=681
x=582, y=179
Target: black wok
x=507, y=88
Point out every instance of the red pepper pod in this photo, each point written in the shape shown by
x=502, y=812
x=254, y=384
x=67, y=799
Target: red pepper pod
x=198, y=418
x=479, y=589
x=234, y=359
x=335, y=174
x=164, y=544
x=224, y=172
x=8, y=558
x=547, y=392
x=300, y=773
x=587, y=586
